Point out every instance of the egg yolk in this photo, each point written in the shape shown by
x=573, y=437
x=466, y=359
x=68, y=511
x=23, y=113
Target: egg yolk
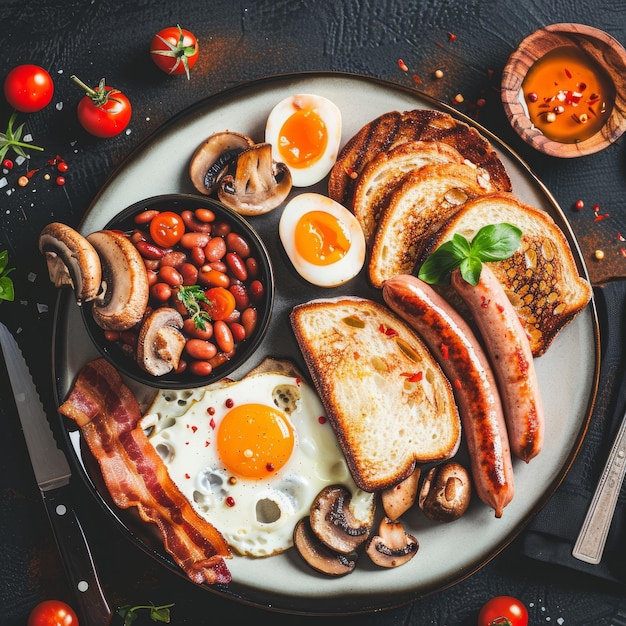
x=303, y=138
x=254, y=440
x=320, y=238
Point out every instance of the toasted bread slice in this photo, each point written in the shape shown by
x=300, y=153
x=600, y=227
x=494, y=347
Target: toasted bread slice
x=384, y=172
x=424, y=200
x=541, y=278
x=394, y=128
x=386, y=397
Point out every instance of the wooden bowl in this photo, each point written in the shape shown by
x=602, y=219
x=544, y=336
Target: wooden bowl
x=602, y=51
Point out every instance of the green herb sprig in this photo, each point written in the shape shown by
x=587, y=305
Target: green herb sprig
x=157, y=613
x=191, y=296
x=11, y=139
x=494, y=242
x=7, y=291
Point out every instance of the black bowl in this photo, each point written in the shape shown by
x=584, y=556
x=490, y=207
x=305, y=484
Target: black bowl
x=177, y=203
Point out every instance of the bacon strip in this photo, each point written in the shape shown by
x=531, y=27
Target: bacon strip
x=108, y=415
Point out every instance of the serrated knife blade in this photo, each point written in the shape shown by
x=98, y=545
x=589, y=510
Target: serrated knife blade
x=53, y=473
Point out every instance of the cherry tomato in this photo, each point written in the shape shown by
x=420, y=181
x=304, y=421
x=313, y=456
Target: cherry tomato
x=52, y=613
x=221, y=302
x=167, y=228
x=174, y=50
x=503, y=611
x=28, y=88
x=103, y=111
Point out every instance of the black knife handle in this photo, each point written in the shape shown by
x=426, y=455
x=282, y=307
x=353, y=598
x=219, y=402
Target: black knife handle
x=92, y=606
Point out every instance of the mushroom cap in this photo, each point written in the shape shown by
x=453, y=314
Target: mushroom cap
x=393, y=546
x=125, y=290
x=400, y=498
x=213, y=157
x=317, y=555
x=71, y=260
x=259, y=184
x=446, y=492
x=334, y=521
x=160, y=342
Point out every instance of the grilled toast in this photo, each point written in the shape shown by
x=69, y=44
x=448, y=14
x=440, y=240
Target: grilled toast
x=384, y=173
x=541, y=278
x=395, y=127
x=423, y=201
x=386, y=397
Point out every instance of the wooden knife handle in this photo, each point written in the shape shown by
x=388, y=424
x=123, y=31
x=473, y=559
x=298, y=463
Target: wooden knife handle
x=92, y=606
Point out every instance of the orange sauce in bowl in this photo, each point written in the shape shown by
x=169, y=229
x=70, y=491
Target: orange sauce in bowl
x=568, y=95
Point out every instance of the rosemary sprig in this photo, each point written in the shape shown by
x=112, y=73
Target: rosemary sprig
x=191, y=296
x=11, y=139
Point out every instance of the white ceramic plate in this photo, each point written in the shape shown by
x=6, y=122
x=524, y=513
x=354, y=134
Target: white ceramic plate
x=568, y=371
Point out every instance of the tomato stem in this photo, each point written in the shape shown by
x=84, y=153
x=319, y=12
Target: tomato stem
x=99, y=95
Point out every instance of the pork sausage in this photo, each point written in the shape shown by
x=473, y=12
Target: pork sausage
x=466, y=365
x=507, y=345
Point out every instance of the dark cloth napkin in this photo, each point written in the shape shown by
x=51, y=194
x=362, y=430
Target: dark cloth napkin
x=551, y=535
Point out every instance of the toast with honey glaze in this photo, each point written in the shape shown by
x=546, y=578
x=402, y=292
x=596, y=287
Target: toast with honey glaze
x=386, y=397
x=541, y=278
x=394, y=128
x=424, y=200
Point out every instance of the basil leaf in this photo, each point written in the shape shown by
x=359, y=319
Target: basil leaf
x=439, y=265
x=470, y=268
x=496, y=242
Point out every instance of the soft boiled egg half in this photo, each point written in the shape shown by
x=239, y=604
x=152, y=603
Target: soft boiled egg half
x=251, y=456
x=305, y=132
x=323, y=240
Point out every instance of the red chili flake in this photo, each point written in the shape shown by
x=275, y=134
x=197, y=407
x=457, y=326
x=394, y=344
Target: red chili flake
x=186, y=443
x=445, y=351
x=500, y=308
x=416, y=79
x=298, y=381
x=212, y=424
x=484, y=302
x=207, y=444
x=457, y=383
x=389, y=332
x=193, y=429
x=599, y=218
x=230, y=501
x=321, y=419
x=567, y=72
x=402, y=65
x=620, y=237
x=187, y=476
x=579, y=204
x=211, y=410
x=351, y=172
x=596, y=208
x=230, y=403
x=451, y=37
x=269, y=467
x=414, y=377
x=7, y=164
x=31, y=173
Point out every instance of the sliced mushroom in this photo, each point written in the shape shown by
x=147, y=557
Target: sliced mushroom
x=123, y=298
x=393, y=546
x=259, y=185
x=400, y=498
x=446, y=492
x=161, y=342
x=335, y=522
x=317, y=555
x=211, y=160
x=71, y=260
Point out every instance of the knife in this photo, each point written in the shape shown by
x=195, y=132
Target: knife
x=52, y=473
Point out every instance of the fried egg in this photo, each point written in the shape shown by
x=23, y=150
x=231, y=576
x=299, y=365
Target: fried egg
x=323, y=240
x=251, y=456
x=305, y=132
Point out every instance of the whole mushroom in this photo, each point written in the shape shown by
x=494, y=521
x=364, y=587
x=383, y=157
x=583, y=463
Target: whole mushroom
x=446, y=492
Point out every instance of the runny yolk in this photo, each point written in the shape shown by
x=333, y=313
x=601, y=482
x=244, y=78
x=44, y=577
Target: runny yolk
x=320, y=238
x=303, y=138
x=254, y=440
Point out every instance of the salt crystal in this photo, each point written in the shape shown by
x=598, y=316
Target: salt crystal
x=128, y=131
x=20, y=159
x=42, y=308
x=3, y=182
x=27, y=138
x=59, y=106
x=32, y=277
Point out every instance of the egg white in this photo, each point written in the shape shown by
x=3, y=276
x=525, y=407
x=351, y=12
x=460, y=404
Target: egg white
x=265, y=512
x=331, y=116
x=333, y=274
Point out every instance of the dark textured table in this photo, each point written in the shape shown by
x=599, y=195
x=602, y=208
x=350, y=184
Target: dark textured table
x=240, y=41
